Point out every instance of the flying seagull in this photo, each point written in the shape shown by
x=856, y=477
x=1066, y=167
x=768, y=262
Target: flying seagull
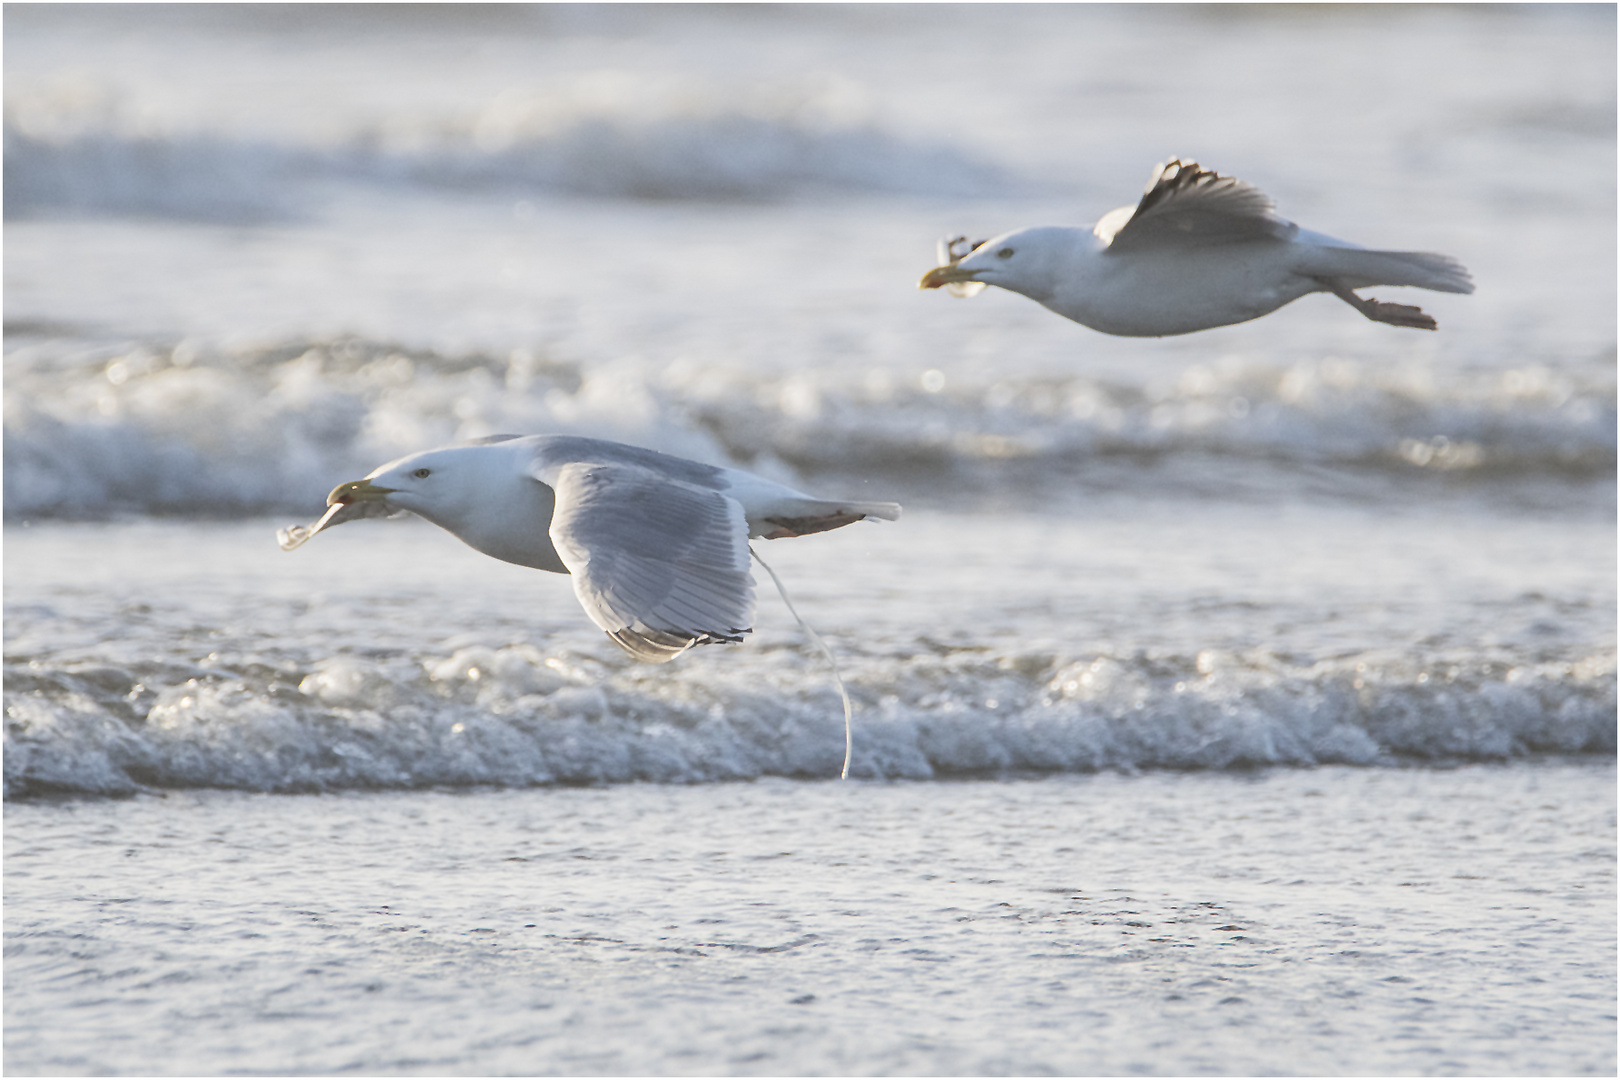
x=1200, y=250
x=657, y=545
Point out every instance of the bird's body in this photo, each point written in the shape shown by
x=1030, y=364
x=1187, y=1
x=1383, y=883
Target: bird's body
x=1200, y=250
x=657, y=545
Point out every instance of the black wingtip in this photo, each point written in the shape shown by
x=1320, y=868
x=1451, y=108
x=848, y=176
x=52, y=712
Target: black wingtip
x=662, y=646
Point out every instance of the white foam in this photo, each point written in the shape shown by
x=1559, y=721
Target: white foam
x=517, y=716
x=182, y=429
x=609, y=134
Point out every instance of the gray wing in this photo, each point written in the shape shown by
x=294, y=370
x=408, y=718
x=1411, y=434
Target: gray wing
x=660, y=563
x=1186, y=205
x=579, y=448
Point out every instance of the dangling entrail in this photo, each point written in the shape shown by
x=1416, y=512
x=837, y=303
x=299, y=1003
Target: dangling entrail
x=849, y=731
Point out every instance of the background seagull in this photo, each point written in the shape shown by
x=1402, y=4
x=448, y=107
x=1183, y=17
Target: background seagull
x=1200, y=250
x=657, y=545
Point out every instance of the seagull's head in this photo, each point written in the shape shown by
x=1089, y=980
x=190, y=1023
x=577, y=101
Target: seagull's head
x=396, y=487
x=1024, y=261
x=440, y=485
x=482, y=493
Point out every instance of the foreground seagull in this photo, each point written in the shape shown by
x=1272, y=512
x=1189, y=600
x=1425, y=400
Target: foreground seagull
x=657, y=545
x=1200, y=250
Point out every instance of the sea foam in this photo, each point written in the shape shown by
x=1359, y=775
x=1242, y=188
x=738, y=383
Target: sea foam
x=80, y=149
x=183, y=429
x=521, y=716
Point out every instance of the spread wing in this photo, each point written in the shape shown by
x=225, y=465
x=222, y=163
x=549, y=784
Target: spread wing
x=1187, y=205
x=661, y=564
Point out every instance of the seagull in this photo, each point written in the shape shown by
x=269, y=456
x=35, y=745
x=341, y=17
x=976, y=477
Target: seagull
x=1200, y=250
x=657, y=545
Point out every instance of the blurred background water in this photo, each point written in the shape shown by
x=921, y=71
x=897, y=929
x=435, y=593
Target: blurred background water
x=253, y=251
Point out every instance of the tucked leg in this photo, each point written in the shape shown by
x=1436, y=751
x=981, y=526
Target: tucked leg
x=1382, y=310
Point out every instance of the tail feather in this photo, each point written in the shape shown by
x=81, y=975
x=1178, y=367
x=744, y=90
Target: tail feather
x=814, y=517
x=1359, y=268
x=888, y=511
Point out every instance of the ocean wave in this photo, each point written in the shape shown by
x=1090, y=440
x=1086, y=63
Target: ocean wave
x=174, y=430
x=181, y=430
x=1391, y=420
x=517, y=716
x=188, y=178
x=619, y=135
x=609, y=135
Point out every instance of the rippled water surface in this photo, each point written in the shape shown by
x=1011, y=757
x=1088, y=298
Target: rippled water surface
x=1328, y=921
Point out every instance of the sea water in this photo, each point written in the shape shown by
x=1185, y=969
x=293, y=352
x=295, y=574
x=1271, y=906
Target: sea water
x=1241, y=702
x=1295, y=921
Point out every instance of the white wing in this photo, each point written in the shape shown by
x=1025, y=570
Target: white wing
x=1186, y=205
x=660, y=564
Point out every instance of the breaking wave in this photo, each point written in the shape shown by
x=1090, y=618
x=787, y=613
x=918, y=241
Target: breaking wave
x=518, y=716
x=609, y=136
x=165, y=430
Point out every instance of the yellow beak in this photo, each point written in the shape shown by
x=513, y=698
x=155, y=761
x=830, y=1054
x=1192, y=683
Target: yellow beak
x=945, y=275
x=358, y=491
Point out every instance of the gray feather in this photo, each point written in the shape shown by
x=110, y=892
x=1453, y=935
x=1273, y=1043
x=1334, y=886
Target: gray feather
x=1189, y=206
x=655, y=560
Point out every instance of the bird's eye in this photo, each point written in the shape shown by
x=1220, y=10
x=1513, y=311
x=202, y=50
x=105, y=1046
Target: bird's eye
x=421, y=474
x=1004, y=253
